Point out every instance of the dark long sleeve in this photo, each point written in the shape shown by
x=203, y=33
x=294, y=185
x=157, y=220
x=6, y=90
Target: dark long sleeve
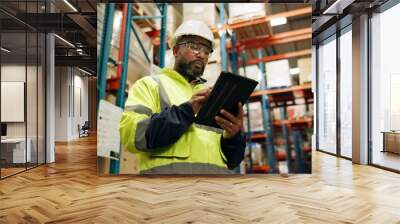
x=233, y=149
x=167, y=127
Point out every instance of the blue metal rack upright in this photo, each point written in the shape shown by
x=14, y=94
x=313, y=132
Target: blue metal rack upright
x=267, y=123
x=104, y=53
x=266, y=118
x=298, y=142
x=248, y=134
x=285, y=131
x=163, y=35
x=105, y=46
x=122, y=84
x=224, y=66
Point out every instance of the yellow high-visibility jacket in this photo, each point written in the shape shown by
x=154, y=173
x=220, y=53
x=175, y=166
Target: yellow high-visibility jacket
x=157, y=125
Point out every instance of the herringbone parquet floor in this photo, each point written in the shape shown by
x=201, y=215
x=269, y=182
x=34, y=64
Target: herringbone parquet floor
x=70, y=191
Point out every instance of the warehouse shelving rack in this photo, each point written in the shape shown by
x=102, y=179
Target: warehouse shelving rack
x=237, y=58
x=119, y=83
x=270, y=97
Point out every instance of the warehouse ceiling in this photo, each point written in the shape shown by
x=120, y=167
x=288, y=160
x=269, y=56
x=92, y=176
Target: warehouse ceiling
x=264, y=29
x=74, y=22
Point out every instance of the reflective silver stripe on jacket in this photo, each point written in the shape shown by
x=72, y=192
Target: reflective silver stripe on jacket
x=164, y=99
x=141, y=128
x=140, y=137
x=140, y=109
x=188, y=168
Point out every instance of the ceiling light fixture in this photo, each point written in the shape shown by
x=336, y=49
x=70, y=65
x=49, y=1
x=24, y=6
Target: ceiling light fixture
x=337, y=7
x=278, y=21
x=65, y=41
x=70, y=5
x=84, y=71
x=5, y=50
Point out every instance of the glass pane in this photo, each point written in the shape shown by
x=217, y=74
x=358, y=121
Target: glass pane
x=13, y=87
x=41, y=99
x=15, y=149
x=327, y=96
x=346, y=94
x=32, y=109
x=385, y=89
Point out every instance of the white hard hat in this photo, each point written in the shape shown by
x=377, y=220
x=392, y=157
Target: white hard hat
x=195, y=28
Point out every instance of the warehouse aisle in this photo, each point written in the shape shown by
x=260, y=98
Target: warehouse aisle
x=70, y=191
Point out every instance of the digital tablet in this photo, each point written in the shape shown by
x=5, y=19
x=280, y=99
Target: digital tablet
x=228, y=91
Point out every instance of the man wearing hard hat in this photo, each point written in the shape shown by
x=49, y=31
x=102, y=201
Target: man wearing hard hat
x=158, y=122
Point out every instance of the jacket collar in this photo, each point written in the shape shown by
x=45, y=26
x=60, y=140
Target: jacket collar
x=178, y=77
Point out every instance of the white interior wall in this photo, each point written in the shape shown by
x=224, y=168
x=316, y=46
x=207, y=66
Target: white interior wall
x=34, y=106
x=14, y=73
x=71, y=94
x=61, y=103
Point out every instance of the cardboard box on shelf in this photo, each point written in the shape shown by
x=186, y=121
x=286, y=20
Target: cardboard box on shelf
x=243, y=11
x=257, y=154
x=205, y=12
x=256, y=121
x=296, y=112
x=149, y=9
x=310, y=112
x=252, y=72
x=278, y=74
x=174, y=18
x=304, y=65
x=276, y=113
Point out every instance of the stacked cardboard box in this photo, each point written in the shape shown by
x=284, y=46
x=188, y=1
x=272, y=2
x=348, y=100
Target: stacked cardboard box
x=296, y=112
x=278, y=74
x=304, y=65
x=138, y=65
x=174, y=18
x=243, y=11
x=205, y=12
x=256, y=121
x=257, y=154
x=253, y=72
x=150, y=9
x=276, y=113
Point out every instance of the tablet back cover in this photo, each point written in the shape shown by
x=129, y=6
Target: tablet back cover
x=226, y=93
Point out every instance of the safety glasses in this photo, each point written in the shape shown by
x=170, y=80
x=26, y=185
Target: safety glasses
x=197, y=48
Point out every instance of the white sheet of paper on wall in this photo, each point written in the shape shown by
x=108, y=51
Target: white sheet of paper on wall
x=108, y=139
x=12, y=101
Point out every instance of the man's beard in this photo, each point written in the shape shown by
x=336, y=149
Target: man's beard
x=189, y=70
